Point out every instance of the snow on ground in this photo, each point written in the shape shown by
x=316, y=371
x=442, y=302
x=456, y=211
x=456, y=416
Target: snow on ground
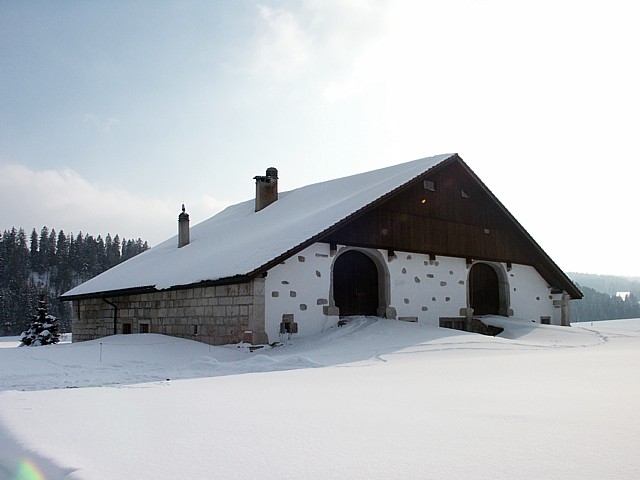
x=373, y=399
x=631, y=324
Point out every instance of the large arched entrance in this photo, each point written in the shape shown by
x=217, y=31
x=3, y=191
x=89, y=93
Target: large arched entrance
x=355, y=284
x=484, y=290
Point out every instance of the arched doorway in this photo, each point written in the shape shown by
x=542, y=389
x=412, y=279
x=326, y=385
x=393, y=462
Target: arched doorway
x=484, y=290
x=355, y=284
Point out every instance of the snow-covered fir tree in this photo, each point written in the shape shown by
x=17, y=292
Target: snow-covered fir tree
x=43, y=330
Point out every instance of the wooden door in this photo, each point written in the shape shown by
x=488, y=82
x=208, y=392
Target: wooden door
x=355, y=284
x=484, y=290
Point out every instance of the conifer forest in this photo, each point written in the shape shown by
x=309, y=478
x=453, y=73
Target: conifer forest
x=46, y=264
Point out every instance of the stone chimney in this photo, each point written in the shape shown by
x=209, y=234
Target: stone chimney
x=266, y=189
x=183, y=228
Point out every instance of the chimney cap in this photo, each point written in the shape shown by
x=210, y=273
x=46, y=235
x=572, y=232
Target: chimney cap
x=184, y=214
x=266, y=188
x=272, y=172
x=270, y=176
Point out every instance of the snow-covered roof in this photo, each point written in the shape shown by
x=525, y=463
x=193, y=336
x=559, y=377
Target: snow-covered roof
x=238, y=240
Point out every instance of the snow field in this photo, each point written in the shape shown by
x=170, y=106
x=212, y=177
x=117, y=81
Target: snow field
x=393, y=400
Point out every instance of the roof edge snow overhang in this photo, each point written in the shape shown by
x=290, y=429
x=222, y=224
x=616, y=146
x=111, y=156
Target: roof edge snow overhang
x=151, y=289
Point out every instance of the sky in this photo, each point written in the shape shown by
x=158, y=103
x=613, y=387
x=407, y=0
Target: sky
x=113, y=114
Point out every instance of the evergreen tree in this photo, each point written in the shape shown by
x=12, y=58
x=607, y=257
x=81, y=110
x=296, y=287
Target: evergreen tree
x=101, y=256
x=51, y=253
x=44, y=250
x=43, y=329
x=34, y=250
x=115, y=253
x=131, y=248
x=62, y=280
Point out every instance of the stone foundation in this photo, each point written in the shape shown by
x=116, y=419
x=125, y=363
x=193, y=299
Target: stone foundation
x=216, y=315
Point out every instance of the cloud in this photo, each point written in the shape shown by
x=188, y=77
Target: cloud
x=320, y=39
x=283, y=46
x=63, y=199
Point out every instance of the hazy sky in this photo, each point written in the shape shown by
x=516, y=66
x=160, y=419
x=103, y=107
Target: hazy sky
x=113, y=114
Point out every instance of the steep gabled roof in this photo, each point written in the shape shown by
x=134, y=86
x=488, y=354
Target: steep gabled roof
x=238, y=242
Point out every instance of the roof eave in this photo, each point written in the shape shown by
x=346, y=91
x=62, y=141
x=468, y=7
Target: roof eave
x=151, y=289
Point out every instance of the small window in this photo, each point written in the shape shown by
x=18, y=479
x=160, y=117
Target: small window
x=143, y=327
x=545, y=320
x=288, y=326
x=195, y=329
x=464, y=194
x=126, y=328
x=429, y=185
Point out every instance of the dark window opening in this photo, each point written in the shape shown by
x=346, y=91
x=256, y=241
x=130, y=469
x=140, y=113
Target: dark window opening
x=126, y=328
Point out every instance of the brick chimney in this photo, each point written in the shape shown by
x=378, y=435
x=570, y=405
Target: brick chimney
x=266, y=189
x=183, y=228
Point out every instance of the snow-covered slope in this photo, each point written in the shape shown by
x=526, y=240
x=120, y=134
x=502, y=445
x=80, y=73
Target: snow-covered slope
x=374, y=399
x=238, y=240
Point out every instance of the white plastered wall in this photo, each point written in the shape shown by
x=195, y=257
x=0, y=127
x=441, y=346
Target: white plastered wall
x=421, y=289
x=531, y=296
x=300, y=286
x=427, y=289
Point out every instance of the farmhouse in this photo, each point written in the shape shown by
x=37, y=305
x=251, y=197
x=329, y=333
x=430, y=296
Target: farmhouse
x=423, y=241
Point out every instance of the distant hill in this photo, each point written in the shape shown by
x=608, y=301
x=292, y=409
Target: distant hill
x=607, y=283
x=600, y=301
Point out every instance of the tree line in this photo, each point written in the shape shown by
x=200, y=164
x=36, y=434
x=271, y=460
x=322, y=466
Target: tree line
x=610, y=284
x=49, y=263
x=602, y=306
x=601, y=300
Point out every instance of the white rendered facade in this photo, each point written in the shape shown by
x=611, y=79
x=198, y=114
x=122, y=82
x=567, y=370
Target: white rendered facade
x=413, y=287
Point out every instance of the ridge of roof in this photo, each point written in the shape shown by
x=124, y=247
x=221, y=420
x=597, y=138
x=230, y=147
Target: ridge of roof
x=238, y=240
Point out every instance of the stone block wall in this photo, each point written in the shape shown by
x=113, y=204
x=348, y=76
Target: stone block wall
x=216, y=315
